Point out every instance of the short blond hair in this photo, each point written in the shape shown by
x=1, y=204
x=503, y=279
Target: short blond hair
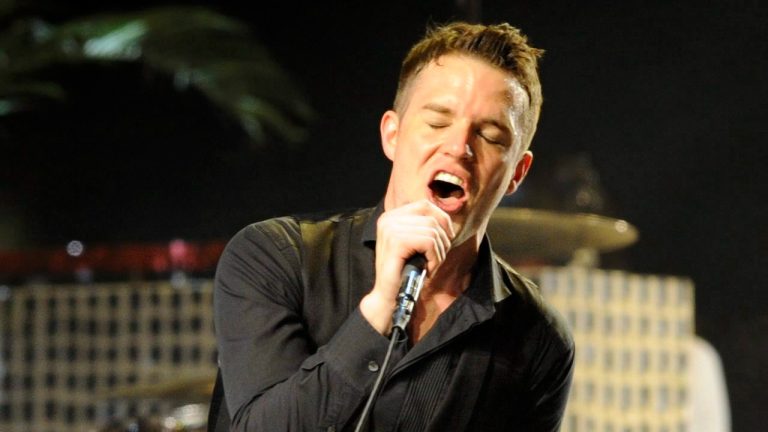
x=501, y=45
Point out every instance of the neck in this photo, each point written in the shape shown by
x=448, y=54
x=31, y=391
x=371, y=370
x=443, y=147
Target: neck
x=442, y=288
x=454, y=274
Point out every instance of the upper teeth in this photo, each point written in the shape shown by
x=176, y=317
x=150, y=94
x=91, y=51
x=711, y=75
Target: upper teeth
x=449, y=178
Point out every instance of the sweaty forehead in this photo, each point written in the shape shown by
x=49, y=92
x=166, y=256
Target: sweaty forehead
x=451, y=74
x=516, y=94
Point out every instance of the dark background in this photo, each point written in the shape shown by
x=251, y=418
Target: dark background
x=665, y=100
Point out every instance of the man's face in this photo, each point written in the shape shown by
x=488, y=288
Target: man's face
x=457, y=141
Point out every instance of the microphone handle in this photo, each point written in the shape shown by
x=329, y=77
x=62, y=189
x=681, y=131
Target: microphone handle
x=413, y=275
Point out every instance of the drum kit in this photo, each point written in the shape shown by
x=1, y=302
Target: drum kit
x=190, y=396
x=519, y=235
x=526, y=235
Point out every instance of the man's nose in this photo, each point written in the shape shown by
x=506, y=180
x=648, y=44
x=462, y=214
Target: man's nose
x=458, y=145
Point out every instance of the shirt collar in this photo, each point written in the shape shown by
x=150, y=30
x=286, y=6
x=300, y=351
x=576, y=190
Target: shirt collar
x=369, y=230
x=488, y=285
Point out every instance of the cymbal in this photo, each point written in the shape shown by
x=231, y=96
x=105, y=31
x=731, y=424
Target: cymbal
x=193, y=387
x=532, y=234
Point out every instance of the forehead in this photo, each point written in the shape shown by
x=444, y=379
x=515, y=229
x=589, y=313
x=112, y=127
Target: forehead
x=454, y=77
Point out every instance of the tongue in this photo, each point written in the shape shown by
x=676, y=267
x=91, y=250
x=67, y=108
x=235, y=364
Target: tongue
x=448, y=204
x=447, y=196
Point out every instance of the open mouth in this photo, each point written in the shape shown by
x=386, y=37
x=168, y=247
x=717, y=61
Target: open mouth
x=443, y=189
x=448, y=191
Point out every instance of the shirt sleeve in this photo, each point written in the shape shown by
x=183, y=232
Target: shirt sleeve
x=552, y=374
x=275, y=378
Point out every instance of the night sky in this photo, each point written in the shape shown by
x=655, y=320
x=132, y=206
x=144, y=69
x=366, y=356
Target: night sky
x=665, y=100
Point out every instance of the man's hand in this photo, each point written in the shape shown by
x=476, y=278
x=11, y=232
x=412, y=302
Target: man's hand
x=419, y=227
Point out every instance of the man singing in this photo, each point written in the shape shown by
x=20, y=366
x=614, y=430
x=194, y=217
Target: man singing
x=304, y=306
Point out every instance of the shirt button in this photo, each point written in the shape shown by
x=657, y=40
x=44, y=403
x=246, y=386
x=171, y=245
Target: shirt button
x=373, y=366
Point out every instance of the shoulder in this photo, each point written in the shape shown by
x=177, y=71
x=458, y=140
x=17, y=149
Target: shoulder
x=526, y=302
x=334, y=216
x=319, y=230
x=288, y=232
x=280, y=231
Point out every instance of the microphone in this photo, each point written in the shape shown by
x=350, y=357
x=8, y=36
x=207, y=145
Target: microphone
x=412, y=278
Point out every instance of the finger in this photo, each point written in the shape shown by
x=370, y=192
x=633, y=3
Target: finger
x=404, y=240
x=424, y=239
x=428, y=224
x=418, y=242
x=428, y=208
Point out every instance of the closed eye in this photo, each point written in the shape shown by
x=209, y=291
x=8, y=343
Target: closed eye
x=437, y=123
x=491, y=140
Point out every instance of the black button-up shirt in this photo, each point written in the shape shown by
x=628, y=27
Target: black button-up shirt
x=296, y=354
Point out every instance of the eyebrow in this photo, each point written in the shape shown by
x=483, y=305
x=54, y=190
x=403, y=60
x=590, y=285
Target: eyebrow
x=440, y=109
x=501, y=126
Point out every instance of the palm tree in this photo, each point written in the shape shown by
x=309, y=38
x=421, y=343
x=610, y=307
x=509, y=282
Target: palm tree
x=197, y=47
x=195, y=50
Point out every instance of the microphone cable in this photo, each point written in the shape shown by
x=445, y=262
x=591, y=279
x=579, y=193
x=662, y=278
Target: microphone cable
x=413, y=280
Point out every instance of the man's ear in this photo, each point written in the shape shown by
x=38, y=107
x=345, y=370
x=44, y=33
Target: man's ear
x=521, y=170
x=390, y=123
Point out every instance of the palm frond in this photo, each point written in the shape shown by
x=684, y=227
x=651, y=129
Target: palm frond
x=196, y=47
